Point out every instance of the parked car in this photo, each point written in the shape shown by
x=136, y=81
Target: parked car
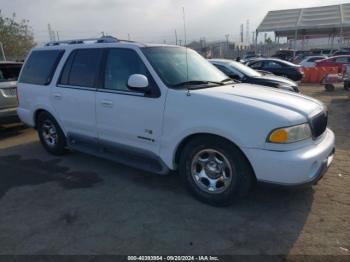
x=278, y=67
x=161, y=108
x=341, y=52
x=310, y=61
x=245, y=74
x=335, y=61
x=9, y=72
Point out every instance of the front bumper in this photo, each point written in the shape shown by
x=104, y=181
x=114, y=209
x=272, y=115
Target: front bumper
x=8, y=115
x=296, y=167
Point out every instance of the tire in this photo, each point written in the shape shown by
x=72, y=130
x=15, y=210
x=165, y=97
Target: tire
x=237, y=173
x=329, y=87
x=51, y=135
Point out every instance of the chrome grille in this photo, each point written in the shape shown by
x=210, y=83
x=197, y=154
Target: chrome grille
x=8, y=92
x=319, y=124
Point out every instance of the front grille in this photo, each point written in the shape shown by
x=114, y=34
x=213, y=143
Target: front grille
x=8, y=92
x=319, y=124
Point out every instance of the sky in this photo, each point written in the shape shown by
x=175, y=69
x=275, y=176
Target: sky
x=146, y=20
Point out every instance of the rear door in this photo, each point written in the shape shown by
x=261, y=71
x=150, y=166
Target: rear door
x=74, y=95
x=8, y=77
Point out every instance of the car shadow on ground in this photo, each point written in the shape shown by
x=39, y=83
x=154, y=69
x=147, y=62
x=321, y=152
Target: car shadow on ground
x=142, y=213
x=11, y=130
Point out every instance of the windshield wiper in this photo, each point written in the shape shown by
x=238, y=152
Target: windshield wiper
x=227, y=80
x=196, y=83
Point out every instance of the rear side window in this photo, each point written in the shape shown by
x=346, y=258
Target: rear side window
x=272, y=64
x=81, y=68
x=40, y=67
x=9, y=72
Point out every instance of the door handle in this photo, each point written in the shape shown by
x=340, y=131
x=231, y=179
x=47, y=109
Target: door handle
x=57, y=96
x=107, y=103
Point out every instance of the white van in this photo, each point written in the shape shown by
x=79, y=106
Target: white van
x=161, y=108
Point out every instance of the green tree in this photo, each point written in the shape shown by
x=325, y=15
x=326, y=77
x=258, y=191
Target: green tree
x=16, y=37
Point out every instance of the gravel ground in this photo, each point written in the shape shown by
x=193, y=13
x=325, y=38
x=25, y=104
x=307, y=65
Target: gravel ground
x=78, y=204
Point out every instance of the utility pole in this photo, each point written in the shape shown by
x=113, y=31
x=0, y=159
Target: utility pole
x=50, y=32
x=227, y=36
x=247, y=32
x=180, y=42
x=58, y=37
x=175, y=37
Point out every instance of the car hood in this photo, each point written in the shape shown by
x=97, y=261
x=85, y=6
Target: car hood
x=276, y=79
x=301, y=104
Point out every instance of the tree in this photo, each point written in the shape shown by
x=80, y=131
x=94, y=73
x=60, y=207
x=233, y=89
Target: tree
x=16, y=37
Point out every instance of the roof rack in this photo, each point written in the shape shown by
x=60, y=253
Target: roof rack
x=104, y=39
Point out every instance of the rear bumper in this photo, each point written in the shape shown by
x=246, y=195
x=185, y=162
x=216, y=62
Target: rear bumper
x=304, y=166
x=8, y=115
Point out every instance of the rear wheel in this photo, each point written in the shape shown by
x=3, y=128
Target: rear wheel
x=215, y=170
x=50, y=134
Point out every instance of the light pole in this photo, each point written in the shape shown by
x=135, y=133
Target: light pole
x=2, y=51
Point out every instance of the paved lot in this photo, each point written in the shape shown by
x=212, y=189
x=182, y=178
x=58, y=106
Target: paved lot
x=78, y=204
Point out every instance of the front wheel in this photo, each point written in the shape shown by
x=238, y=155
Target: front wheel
x=215, y=170
x=50, y=134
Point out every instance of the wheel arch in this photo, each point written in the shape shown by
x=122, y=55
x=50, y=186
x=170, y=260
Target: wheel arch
x=190, y=137
x=40, y=110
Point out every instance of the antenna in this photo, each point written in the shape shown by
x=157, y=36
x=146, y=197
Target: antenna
x=185, y=36
x=184, y=19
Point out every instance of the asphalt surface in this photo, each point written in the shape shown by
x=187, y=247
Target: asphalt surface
x=79, y=204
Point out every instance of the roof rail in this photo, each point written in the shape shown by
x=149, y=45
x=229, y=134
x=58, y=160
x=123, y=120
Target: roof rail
x=104, y=39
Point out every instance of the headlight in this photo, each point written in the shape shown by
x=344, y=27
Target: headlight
x=290, y=134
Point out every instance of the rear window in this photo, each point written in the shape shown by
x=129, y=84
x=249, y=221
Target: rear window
x=81, y=68
x=9, y=72
x=40, y=67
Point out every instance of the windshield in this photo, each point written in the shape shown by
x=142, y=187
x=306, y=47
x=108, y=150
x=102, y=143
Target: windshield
x=9, y=72
x=170, y=65
x=246, y=70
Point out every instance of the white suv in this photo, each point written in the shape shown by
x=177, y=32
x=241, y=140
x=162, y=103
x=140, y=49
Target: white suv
x=161, y=108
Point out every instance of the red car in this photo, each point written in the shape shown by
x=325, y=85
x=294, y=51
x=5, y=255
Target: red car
x=334, y=61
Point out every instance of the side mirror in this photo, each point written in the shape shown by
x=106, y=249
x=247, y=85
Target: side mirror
x=138, y=83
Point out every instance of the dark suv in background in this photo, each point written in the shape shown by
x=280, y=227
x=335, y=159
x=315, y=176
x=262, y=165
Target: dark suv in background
x=9, y=72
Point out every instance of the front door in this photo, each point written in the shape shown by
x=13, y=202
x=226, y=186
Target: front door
x=127, y=119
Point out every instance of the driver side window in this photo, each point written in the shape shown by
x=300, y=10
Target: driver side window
x=256, y=65
x=120, y=65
